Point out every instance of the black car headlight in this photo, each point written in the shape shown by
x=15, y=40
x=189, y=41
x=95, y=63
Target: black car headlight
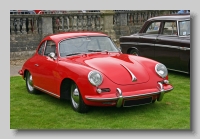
x=161, y=70
x=95, y=78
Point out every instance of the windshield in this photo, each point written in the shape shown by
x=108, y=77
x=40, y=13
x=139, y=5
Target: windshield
x=86, y=45
x=184, y=28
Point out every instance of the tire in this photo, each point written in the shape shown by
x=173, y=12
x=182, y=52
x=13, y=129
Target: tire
x=134, y=52
x=29, y=84
x=77, y=102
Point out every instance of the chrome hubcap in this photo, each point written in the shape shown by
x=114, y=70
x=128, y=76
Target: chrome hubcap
x=75, y=96
x=30, y=82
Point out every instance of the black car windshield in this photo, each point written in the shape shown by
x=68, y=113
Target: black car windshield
x=184, y=28
x=86, y=45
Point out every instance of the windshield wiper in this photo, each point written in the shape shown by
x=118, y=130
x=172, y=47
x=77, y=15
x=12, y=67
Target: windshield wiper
x=70, y=54
x=90, y=50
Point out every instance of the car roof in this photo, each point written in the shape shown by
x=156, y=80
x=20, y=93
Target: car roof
x=61, y=36
x=171, y=17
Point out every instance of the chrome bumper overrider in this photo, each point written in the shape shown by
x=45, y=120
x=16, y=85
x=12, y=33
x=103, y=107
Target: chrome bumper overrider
x=120, y=98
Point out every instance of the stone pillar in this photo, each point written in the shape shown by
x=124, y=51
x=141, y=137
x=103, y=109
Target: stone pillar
x=124, y=29
x=47, y=26
x=108, y=23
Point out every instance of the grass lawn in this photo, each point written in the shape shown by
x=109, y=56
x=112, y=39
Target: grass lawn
x=28, y=111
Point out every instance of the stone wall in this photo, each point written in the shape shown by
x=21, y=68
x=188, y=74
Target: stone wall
x=26, y=31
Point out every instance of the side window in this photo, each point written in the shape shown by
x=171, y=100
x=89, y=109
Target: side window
x=41, y=49
x=170, y=28
x=50, y=47
x=153, y=28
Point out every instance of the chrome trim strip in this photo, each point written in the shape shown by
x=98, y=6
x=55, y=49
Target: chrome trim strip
x=168, y=46
x=152, y=93
x=150, y=44
x=47, y=91
x=132, y=75
x=134, y=43
x=101, y=99
x=158, y=45
x=178, y=70
x=175, y=47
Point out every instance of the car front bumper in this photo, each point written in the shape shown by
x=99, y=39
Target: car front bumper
x=128, y=99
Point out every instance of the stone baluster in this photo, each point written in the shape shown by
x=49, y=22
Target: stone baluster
x=143, y=17
x=139, y=17
x=149, y=14
x=98, y=22
x=129, y=18
x=15, y=25
x=93, y=22
x=55, y=27
x=114, y=19
x=84, y=22
x=65, y=23
x=62, y=24
x=89, y=24
x=79, y=22
x=12, y=26
x=24, y=26
x=39, y=25
x=58, y=24
x=136, y=17
x=75, y=23
x=101, y=23
x=28, y=25
x=70, y=23
x=34, y=25
x=146, y=15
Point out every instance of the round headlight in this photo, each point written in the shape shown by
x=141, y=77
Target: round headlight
x=161, y=70
x=95, y=78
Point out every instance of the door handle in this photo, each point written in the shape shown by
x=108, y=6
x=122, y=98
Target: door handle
x=183, y=48
x=36, y=65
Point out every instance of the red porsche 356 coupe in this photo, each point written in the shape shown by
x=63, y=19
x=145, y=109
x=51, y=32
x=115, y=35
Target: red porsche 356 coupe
x=89, y=70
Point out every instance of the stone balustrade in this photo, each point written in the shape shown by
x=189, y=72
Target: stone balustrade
x=27, y=30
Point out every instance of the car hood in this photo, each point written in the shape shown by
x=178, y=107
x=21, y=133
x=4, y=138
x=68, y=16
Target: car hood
x=120, y=68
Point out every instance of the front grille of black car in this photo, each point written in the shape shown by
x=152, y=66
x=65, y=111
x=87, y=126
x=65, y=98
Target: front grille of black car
x=142, y=101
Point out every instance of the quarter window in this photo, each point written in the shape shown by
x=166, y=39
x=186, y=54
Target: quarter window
x=41, y=49
x=184, y=28
x=153, y=28
x=50, y=47
x=170, y=28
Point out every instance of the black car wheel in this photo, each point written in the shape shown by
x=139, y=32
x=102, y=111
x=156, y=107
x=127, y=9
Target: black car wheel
x=29, y=83
x=77, y=101
x=134, y=52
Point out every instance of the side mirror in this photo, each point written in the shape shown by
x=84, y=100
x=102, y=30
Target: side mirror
x=52, y=55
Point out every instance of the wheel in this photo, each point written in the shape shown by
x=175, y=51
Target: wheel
x=29, y=83
x=134, y=52
x=77, y=101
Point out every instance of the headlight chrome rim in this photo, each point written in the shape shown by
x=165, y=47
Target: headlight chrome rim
x=161, y=68
x=92, y=73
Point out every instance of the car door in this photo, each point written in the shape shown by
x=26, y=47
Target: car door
x=46, y=69
x=146, y=43
x=167, y=45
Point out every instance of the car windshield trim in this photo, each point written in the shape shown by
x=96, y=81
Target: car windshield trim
x=70, y=54
x=86, y=44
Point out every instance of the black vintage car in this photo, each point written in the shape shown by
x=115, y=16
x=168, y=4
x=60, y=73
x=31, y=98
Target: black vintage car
x=163, y=38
